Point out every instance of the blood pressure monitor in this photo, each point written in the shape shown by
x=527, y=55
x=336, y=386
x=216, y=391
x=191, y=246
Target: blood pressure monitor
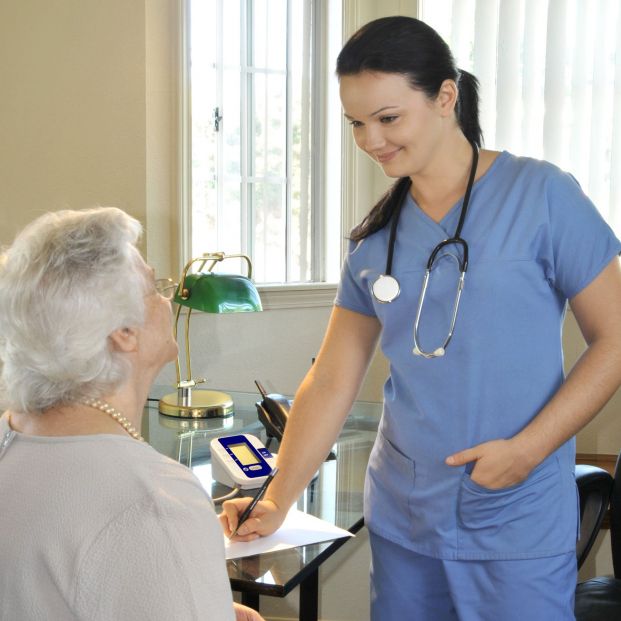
x=240, y=461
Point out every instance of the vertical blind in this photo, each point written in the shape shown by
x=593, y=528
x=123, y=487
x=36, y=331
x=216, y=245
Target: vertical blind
x=550, y=73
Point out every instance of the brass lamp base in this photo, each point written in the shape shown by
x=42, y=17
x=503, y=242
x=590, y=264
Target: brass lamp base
x=199, y=404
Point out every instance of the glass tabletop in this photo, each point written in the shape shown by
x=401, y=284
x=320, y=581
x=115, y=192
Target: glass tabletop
x=335, y=493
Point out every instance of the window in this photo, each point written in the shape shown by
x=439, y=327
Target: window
x=550, y=73
x=264, y=115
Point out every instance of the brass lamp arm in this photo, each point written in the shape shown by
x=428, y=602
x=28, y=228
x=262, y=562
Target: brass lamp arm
x=211, y=293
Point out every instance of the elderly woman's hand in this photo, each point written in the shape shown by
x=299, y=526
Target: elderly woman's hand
x=243, y=613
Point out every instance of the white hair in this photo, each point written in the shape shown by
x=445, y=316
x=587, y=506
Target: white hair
x=68, y=281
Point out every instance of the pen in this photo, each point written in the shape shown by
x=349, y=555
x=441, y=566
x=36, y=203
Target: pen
x=248, y=510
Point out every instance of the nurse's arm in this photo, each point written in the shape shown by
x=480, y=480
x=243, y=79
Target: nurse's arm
x=319, y=410
x=591, y=383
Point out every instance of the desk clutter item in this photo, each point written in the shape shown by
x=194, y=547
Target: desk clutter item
x=273, y=412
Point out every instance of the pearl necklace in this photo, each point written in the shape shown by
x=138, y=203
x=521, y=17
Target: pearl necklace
x=115, y=415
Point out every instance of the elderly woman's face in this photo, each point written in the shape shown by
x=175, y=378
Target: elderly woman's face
x=157, y=342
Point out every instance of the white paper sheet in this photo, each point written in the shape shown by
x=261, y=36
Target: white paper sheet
x=298, y=529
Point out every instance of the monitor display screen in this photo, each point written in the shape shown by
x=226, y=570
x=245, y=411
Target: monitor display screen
x=243, y=453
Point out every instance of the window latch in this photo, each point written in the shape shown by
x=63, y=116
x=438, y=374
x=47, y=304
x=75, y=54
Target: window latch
x=217, y=117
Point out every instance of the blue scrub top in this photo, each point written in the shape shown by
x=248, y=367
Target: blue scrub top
x=535, y=241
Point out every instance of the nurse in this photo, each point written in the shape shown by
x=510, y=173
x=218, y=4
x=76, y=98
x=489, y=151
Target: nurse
x=470, y=498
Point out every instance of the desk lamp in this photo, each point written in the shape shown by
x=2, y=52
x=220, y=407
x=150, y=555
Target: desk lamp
x=209, y=292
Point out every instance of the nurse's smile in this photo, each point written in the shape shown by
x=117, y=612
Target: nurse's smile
x=384, y=158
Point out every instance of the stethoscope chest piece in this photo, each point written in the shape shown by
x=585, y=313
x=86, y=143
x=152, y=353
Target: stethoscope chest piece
x=386, y=288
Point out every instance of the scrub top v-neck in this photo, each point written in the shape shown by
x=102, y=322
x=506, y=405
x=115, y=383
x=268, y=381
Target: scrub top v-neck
x=535, y=241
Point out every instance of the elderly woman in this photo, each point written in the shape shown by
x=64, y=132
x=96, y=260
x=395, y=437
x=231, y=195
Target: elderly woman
x=95, y=523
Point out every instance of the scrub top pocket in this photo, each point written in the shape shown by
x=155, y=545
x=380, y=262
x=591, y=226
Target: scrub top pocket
x=526, y=520
x=389, y=486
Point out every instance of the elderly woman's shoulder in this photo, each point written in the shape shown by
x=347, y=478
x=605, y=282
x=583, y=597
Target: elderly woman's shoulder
x=134, y=471
x=142, y=462
x=169, y=487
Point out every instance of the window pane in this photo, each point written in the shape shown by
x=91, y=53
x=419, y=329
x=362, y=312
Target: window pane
x=302, y=96
x=270, y=125
x=269, y=232
x=231, y=20
x=231, y=123
x=229, y=225
x=270, y=34
x=204, y=157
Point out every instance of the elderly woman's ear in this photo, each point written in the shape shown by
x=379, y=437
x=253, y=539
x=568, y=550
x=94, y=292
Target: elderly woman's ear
x=124, y=340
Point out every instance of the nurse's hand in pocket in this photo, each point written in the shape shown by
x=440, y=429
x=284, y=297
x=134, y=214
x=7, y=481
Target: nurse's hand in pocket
x=498, y=463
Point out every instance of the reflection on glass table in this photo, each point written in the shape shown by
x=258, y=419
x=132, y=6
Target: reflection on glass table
x=334, y=495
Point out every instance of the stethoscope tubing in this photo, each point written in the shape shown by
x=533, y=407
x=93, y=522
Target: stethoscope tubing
x=463, y=264
x=386, y=287
x=440, y=351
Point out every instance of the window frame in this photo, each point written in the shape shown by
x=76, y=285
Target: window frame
x=318, y=293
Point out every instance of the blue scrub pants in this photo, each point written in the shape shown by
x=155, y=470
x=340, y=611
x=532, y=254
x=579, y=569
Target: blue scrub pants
x=407, y=585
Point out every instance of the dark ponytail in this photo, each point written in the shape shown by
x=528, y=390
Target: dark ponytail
x=413, y=49
x=467, y=110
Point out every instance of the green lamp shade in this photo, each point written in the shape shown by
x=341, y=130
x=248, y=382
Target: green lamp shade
x=220, y=293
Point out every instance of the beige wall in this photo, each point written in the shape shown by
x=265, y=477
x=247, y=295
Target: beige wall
x=72, y=110
x=163, y=196
x=602, y=435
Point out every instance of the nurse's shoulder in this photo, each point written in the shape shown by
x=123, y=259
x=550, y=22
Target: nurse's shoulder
x=536, y=170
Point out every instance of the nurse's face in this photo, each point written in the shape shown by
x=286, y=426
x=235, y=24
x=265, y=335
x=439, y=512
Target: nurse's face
x=397, y=126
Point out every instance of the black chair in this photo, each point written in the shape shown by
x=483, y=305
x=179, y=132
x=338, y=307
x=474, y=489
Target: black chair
x=599, y=599
x=594, y=487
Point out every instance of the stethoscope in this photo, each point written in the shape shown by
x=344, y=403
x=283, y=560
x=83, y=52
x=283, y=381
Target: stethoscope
x=386, y=287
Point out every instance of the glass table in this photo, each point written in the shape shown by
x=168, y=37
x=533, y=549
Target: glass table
x=335, y=494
